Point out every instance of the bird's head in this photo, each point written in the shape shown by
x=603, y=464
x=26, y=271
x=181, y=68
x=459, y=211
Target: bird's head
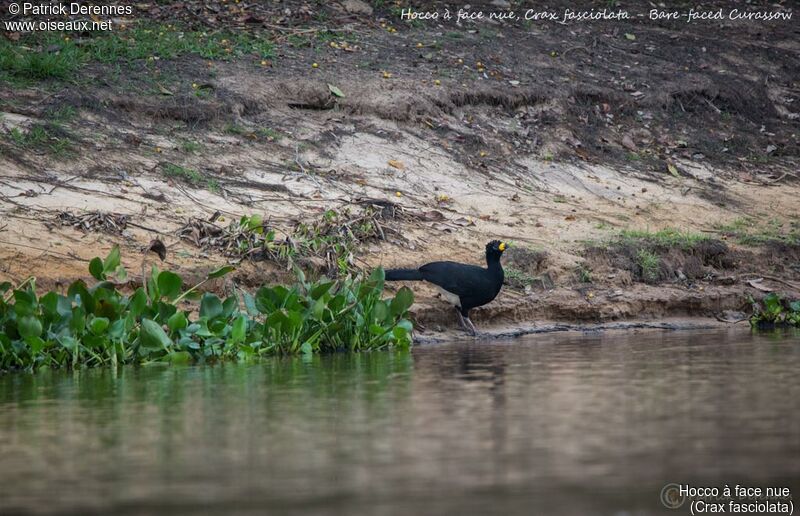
x=495, y=248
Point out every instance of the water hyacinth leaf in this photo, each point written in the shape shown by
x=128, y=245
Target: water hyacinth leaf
x=96, y=269
x=295, y=320
x=5, y=286
x=399, y=332
x=773, y=303
x=306, y=348
x=152, y=283
x=794, y=306
x=249, y=304
x=24, y=303
x=179, y=357
x=405, y=323
x=222, y=271
x=177, y=321
x=138, y=302
x=112, y=261
x=29, y=326
x=378, y=276
x=98, y=325
x=229, y=305
x=78, y=321
x=239, y=330
x=210, y=306
x=49, y=304
x=78, y=292
x=169, y=285
x=35, y=343
x=321, y=289
x=120, y=274
x=380, y=311
x=278, y=320
x=319, y=309
x=402, y=301
x=117, y=329
x=69, y=343
x=192, y=295
x=165, y=310
x=153, y=335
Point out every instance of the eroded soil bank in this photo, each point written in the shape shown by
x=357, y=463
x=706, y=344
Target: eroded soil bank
x=419, y=142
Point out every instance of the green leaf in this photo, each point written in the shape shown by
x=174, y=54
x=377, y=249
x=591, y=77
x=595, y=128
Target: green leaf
x=5, y=286
x=335, y=91
x=380, y=311
x=239, y=329
x=77, y=322
x=69, y=343
x=138, y=302
x=36, y=344
x=179, y=357
x=98, y=325
x=222, y=271
x=117, y=329
x=96, y=269
x=319, y=309
x=169, y=285
x=255, y=222
x=29, y=326
x=321, y=289
x=399, y=332
x=229, y=305
x=153, y=335
x=306, y=348
x=120, y=274
x=249, y=304
x=78, y=291
x=773, y=303
x=111, y=262
x=49, y=303
x=794, y=306
x=177, y=321
x=402, y=301
x=210, y=306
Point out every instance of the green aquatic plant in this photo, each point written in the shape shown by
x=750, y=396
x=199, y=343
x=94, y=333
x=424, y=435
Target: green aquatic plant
x=775, y=310
x=100, y=325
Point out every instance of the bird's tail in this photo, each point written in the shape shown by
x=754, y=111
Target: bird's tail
x=403, y=275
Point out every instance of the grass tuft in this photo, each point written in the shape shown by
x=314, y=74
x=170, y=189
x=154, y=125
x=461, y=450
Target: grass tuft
x=190, y=175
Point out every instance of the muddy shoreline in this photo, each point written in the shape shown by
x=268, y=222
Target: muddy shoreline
x=629, y=192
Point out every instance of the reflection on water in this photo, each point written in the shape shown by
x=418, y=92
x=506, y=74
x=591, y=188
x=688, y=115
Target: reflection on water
x=557, y=424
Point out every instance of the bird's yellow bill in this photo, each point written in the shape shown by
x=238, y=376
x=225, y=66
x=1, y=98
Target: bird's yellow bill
x=502, y=246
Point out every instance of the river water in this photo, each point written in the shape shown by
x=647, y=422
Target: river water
x=573, y=423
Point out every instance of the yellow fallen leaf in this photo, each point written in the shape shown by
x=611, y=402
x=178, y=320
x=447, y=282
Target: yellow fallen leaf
x=673, y=169
x=396, y=164
x=398, y=194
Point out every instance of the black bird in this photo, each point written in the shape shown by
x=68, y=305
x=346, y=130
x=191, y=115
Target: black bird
x=465, y=286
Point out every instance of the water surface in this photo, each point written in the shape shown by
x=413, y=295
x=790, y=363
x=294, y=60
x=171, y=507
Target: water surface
x=549, y=424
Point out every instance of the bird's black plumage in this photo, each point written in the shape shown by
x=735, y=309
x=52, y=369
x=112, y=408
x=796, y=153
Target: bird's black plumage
x=469, y=286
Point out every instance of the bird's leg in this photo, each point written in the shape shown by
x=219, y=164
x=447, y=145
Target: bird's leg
x=466, y=323
x=461, y=320
x=473, y=331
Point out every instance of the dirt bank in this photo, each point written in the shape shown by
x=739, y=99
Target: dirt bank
x=557, y=138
